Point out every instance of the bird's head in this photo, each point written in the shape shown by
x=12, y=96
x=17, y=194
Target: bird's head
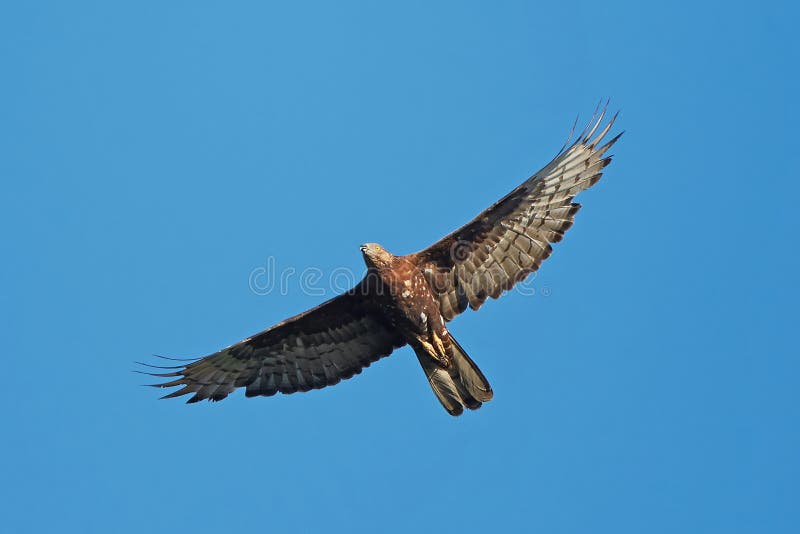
x=375, y=255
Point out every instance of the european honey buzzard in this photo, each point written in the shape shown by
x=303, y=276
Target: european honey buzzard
x=409, y=299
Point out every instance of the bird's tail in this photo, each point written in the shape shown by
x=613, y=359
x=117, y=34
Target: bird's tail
x=460, y=383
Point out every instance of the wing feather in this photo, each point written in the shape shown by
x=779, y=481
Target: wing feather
x=314, y=349
x=511, y=238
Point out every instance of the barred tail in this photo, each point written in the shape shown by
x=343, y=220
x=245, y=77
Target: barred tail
x=460, y=384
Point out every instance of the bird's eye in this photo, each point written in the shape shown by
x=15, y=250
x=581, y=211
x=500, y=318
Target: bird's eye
x=378, y=248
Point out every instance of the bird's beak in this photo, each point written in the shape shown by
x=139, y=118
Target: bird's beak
x=363, y=248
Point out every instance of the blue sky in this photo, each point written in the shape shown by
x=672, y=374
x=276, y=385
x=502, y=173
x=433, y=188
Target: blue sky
x=153, y=156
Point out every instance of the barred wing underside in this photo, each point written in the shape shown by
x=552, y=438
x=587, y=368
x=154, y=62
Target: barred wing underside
x=510, y=239
x=312, y=350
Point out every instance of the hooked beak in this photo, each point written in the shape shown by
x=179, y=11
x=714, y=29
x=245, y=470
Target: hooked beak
x=363, y=248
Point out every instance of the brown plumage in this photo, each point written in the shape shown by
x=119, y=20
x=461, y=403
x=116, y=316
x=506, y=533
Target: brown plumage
x=408, y=299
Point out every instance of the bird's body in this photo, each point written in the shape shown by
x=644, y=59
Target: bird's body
x=409, y=299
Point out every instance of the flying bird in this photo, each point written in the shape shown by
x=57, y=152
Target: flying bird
x=410, y=299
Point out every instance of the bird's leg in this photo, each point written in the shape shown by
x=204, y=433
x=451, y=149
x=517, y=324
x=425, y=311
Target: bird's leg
x=435, y=348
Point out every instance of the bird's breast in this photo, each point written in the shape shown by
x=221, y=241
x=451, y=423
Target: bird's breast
x=416, y=308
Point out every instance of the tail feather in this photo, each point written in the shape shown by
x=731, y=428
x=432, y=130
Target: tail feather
x=470, y=376
x=460, y=384
x=443, y=386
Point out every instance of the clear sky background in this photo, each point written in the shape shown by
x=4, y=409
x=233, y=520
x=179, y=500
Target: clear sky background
x=153, y=155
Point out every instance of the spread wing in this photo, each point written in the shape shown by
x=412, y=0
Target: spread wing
x=510, y=239
x=312, y=350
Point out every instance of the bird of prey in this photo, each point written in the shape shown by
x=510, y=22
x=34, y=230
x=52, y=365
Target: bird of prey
x=409, y=299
